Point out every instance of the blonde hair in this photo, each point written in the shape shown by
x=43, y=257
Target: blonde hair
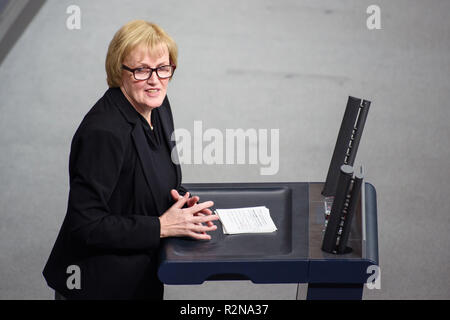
x=131, y=35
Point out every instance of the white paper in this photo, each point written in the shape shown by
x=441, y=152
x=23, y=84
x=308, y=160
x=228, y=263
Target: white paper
x=246, y=220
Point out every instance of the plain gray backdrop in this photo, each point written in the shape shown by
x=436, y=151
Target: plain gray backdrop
x=287, y=65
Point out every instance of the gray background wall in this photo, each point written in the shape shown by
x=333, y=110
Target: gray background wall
x=288, y=65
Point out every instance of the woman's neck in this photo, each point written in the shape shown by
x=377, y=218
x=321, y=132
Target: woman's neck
x=145, y=112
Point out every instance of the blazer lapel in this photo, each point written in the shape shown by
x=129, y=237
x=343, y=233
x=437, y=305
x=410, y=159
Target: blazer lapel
x=167, y=123
x=139, y=139
x=145, y=157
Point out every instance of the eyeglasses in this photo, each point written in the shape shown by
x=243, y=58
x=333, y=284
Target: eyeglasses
x=144, y=73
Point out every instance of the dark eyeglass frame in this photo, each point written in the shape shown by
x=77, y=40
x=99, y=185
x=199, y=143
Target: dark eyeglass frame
x=151, y=71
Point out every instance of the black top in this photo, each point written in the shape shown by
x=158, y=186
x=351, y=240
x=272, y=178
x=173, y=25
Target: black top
x=118, y=187
x=167, y=178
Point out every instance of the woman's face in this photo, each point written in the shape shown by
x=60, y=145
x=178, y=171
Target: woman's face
x=145, y=95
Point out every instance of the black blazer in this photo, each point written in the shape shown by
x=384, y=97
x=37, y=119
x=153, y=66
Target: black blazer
x=111, y=230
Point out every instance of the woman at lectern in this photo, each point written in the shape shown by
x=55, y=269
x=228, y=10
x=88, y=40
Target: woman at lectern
x=125, y=190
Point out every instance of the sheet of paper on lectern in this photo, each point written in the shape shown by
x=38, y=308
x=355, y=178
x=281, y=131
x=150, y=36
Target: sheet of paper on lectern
x=246, y=220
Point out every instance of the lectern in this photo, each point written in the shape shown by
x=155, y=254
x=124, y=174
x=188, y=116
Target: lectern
x=331, y=251
x=292, y=254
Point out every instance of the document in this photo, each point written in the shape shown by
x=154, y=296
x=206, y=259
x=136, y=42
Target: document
x=246, y=220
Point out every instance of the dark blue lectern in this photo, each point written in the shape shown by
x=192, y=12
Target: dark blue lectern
x=292, y=254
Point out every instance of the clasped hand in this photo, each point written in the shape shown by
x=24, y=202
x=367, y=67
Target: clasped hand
x=179, y=222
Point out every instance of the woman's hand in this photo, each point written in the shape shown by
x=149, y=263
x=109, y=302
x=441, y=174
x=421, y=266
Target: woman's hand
x=191, y=201
x=178, y=222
